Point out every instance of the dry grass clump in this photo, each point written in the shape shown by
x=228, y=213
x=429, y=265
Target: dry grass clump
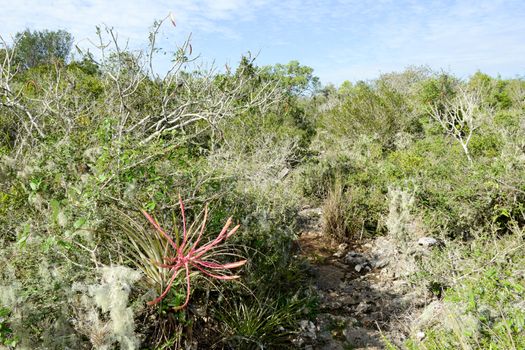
x=335, y=218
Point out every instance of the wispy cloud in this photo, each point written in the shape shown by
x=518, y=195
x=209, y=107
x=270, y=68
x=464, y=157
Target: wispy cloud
x=341, y=39
x=79, y=17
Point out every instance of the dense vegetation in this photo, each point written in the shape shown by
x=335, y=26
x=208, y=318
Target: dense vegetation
x=87, y=143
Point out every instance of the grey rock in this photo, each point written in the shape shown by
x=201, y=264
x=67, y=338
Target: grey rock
x=350, y=300
x=311, y=213
x=450, y=316
x=354, y=258
x=352, y=254
x=307, y=329
x=427, y=242
x=362, y=308
x=379, y=264
x=341, y=250
x=329, y=277
x=362, y=338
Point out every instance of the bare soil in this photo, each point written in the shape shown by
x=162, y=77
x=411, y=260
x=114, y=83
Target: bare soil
x=365, y=301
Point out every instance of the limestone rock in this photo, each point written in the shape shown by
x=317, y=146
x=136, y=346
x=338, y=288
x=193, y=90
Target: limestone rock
x=427, y=242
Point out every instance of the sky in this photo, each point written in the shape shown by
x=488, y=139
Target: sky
x=341, y=39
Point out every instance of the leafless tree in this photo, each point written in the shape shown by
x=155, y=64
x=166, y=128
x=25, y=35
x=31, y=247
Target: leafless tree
x=185, y=94
x=184, y=97
x=52, y=106
x=10, y=98
x=460, y=116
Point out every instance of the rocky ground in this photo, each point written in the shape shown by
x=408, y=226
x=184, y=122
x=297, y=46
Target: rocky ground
x=364, y=294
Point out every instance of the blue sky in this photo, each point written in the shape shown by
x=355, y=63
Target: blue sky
x=340, y=39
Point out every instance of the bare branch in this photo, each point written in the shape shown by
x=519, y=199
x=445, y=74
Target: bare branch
x=460, y=116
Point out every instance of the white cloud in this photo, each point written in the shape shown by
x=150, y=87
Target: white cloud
x=80, y=17
x=353, y=37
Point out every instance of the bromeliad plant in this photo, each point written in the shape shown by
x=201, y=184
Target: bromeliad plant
x=188, y=255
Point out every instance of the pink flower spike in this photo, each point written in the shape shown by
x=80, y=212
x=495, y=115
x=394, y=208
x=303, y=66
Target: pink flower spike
x=192, y=256
x=211, y=265
x=158, y=228
x=223, y=234
x=219, y=277
x=157, y=300
x=233, y=231
x=202, y=229
x=184, y=233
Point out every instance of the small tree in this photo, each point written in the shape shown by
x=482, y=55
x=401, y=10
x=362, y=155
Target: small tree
x=459, y=116
x=294, y=77
x=41, y=47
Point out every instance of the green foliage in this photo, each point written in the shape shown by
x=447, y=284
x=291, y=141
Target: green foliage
x=350, y=213
x=369, y=109
x=294, y=77
x=485, y=290
x=437, y=90
x=6, y=333
x=487, y=145
x=260, y=324
x=496, y=93
x=36, y=48
x=86, y=145
x=315, y=179
x=335, y=216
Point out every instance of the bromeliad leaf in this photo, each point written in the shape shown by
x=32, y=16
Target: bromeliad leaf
x=188, y=254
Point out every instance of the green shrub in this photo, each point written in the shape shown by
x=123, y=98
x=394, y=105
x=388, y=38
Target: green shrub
x=485, y=290
x=350, y=213
x=256, y=144
x=260, y=324
x=6, y=333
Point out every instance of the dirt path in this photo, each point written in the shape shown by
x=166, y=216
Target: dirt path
x=363, y=297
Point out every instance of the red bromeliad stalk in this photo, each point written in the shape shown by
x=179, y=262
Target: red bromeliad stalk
x=194, y=257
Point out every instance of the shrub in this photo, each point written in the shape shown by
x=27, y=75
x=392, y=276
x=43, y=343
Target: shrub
x=6, y=333
x=484, y=288
x=351, y=213
x=103, y=314
x=400, y=220
x=257, y=324
x=335, y=213
x=369, y=110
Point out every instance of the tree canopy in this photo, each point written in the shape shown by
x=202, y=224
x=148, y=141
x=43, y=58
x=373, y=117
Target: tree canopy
x=40, y=47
